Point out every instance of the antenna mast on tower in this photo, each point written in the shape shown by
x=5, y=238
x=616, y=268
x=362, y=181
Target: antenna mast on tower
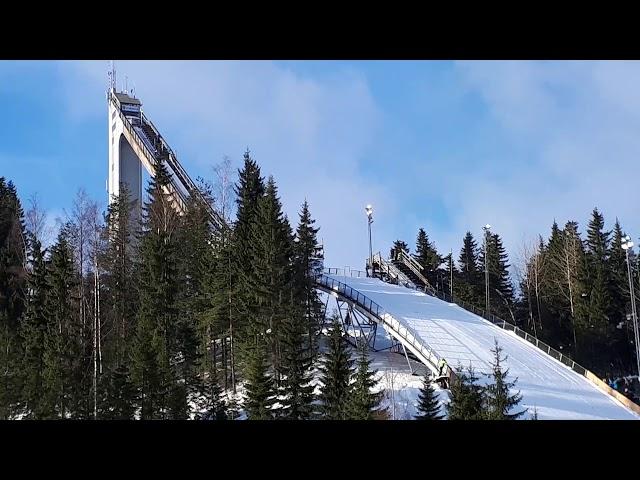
x=112, y=76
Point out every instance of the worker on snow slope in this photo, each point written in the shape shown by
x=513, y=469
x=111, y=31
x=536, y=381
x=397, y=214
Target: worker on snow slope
x=442, y=367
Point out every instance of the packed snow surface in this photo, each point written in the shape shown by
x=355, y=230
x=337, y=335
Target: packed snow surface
x=548, y=386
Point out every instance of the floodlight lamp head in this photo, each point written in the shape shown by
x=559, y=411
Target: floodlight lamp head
x=369, y=210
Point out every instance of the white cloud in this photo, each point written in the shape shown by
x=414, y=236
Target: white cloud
x=577, y=122
x=559, y=138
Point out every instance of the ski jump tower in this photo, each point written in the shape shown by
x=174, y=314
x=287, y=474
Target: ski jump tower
x=134, y=142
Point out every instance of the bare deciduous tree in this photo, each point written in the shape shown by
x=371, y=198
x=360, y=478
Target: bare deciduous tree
x=223, y=191
x=36, y=221
x=528, y=273
x=568, y=263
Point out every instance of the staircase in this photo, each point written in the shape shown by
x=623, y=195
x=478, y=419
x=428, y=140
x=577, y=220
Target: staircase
x=182, y=186
x=388, y=272
x=412, y=270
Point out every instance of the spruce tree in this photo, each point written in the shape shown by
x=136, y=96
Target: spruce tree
x=249, y=190
x=297, y=390
x=400, y=245
x=335, y=375
x=121, y=295
x=157, y=345
x=63, y=372
x=498, y=400
x=553, y=283
x=13, y=251
x=222, y=319
x=467, y=397
x=428, y=404
x=13, y=277
x=363, y=404
x=118, y=400
x=272, y=274
x=500, y=287
x=33, y=330
x=622, y=354
x=593, y=314
x=260, y=386
x=427, y=256
x=145, y=370
x=469, y=286
x=308, y=262
x=211, y=405
x=195, y=265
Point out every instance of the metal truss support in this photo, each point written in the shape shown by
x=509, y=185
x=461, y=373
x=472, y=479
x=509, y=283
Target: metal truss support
x=406, y=355
x=357, y=326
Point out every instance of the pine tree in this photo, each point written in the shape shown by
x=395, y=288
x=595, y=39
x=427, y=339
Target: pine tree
x=467, y=397
x=335, y=375
x=498, y=401
x=428, y=404
x=362, y=403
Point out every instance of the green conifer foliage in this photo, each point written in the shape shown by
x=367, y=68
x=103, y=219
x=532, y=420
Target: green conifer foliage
x=363, y=404
x=467, y=397
x=335, y=375
x=260, y=386
x=499, y=402
x=428, y=404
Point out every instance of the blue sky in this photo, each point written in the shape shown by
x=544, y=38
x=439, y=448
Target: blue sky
x=448, y=146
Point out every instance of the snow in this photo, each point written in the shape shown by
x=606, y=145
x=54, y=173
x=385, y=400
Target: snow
x=546, y=385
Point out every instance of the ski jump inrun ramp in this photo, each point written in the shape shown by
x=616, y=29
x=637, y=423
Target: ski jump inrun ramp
x=432, y=328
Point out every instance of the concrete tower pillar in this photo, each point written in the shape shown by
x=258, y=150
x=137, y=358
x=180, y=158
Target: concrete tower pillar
x=125, y=166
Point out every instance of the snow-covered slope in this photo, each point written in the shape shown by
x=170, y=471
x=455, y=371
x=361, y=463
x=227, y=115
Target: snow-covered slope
x=553, y=389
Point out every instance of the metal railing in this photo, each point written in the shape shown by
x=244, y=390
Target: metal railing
x=141, y=144
x=428, y=353
x=417, y=343
x=344, y=272
x=413, y=265
x=174, y=164
x=392, y=271
x=532, y=339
